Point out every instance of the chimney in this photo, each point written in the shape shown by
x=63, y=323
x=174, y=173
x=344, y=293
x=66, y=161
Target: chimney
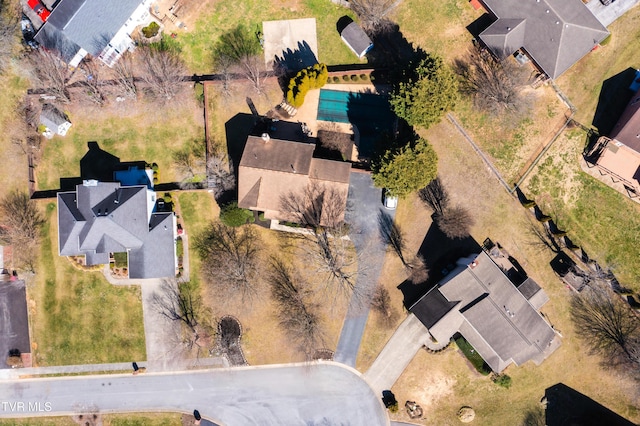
x=266, y=137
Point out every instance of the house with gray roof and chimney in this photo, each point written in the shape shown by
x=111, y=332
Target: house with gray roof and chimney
x=554, y=34
x=479, y=301
x=98, y=219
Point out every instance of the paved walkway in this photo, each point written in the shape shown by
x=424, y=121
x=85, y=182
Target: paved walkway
x=365, y=201
x=405, y=343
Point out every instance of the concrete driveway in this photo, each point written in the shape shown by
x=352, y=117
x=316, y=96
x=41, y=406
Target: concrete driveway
x=607, y=14
x=396, y=355
x=364, y=204
x=320, y=393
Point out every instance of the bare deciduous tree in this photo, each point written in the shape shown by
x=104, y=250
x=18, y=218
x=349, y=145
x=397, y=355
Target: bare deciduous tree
x=52, y=72
x=321, y=209
x=21, y=221
x=123, y=70
x=392, y=235
x=543, y=238
x=496, y=86
x=190, y=163
x=319, y=205
x=607, y=325
x=296, y=315
x=372, y=13
x=435, y=196
x=177, y=302
x=455, y=222
x=381, y=304
x=220, y=172
x=241, y=48
x=162, y=69
x=92, y=83
x=229, y=259
x=8, y=36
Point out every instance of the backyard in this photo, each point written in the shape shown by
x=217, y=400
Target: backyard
x=138, y=132
x=76, y=316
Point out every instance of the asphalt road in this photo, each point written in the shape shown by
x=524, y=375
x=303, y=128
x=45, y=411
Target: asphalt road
x=321, y=393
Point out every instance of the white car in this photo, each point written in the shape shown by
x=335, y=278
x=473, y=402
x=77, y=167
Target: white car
x=390, y=201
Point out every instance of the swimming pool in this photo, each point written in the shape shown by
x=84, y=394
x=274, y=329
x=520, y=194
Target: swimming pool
x=370, y=113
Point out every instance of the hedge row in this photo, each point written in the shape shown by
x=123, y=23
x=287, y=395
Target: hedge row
x=313, y=77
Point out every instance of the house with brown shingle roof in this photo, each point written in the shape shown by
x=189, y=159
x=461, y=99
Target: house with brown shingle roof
x=554, y=34
x=617, y=156
x=272, y=169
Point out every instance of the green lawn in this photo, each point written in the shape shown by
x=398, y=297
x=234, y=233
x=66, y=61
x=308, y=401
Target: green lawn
x=223, y=15
x=78, y=317
x=598, y=218
x=150, y=134
x=164, y=419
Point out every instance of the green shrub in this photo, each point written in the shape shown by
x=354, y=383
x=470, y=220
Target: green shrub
x=151, y=30
x=232, y=215
x=42, y=128
x=261, y=217
x=528, y=204
x=310, y=78
x=121, y=260
x=345, y=77
x=179, y=247
x=544, y=218
x=336, y=79
x=199, y=93
x=167, y=197
x=502, y=380
x=473, y=356
x=393, y=408
x=364, y=77
x=154, y=166
x=354, y=77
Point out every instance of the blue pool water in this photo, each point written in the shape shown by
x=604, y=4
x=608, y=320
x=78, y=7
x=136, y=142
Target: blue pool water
x=369, y=112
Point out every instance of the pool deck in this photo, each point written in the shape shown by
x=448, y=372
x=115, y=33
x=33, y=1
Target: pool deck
x=308, y=112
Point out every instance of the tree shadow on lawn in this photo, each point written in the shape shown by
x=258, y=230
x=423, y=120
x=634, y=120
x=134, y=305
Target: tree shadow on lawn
x=565, y=405
x=440, y=254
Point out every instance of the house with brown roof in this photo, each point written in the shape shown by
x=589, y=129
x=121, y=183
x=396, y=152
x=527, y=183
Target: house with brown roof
x=554, y=34
x=273, y=169
x=617, y=156
x=499, y=319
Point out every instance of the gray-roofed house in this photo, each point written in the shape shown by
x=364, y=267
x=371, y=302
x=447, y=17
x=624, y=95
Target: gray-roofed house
x=501, y=321
x=555, y=34
x=357, y=40
x=100, y=218
x=55, y=121
x=99, y=28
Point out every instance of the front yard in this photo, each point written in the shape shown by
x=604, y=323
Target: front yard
x=76, y=316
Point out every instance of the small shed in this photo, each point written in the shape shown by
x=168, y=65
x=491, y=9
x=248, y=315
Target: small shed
x=54, y=120
x=356, y=39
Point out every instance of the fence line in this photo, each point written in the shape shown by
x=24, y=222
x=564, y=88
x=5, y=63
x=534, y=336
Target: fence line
x=480, y=153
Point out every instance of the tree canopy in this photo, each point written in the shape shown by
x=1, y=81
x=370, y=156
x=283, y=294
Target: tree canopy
x=406, y=169
x=427, y=93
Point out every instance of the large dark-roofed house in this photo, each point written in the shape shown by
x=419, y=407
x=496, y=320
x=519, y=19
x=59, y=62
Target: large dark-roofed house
x=100, y=218
x=555, y=34
x=100, y=28
x=500, y=320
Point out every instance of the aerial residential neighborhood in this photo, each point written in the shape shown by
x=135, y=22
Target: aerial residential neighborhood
x=319, y=212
